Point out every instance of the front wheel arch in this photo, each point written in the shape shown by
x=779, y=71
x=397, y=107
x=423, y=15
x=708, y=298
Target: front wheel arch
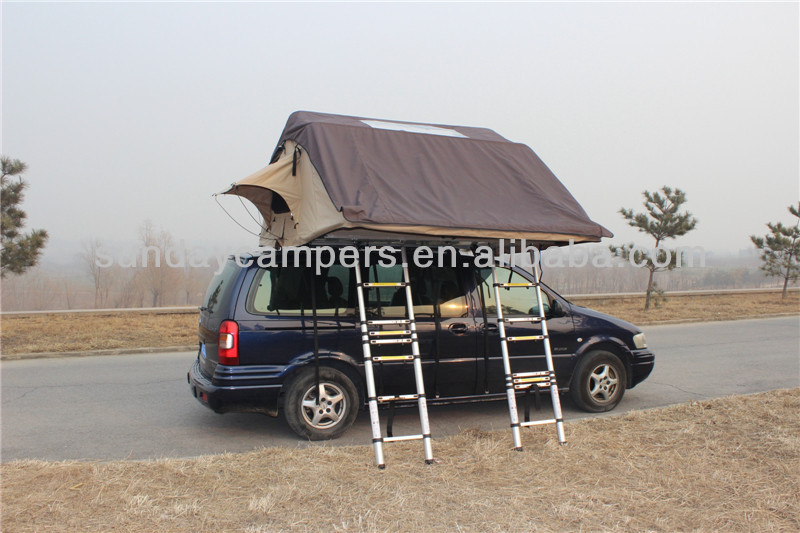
x=609, y=344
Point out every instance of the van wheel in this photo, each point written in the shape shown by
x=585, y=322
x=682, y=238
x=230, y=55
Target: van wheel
x=324, y=412
x=598, y=383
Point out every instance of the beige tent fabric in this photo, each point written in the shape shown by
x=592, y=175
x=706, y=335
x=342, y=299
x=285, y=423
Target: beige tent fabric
x=312, y=214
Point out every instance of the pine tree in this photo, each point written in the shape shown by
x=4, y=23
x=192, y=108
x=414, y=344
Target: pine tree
x=20, y=251
x=780, y=250
x=662, y=221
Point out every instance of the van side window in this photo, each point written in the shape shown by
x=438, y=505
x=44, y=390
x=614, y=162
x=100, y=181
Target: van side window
x=286, y=291
x=516, y=301
x=429, y=286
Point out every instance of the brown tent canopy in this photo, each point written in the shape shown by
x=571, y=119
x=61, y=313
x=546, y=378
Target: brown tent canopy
x=337, y=176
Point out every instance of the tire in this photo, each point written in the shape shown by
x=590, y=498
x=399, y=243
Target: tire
x=598, y=383
x=337, y=413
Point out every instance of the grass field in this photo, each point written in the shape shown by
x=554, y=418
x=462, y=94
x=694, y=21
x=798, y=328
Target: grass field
x=731, y=464
x=76, y=332
x=698, y=308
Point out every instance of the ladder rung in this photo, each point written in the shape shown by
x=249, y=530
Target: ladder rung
x=388, y=322
x=538, y=422
x=530, y=374
x=525, y=386
x=523, y=319
x=540, y=379
x=393, y=358
x=402, y=437
x=390, y=341
x=526, y=338
x=390, y=332
x=401, y=397
x=385, y=284
x=515, y=284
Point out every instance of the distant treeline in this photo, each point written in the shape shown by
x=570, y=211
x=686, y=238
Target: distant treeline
x=49, y=287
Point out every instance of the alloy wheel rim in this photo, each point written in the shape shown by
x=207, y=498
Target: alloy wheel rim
x=603, y=383
x=323, y=407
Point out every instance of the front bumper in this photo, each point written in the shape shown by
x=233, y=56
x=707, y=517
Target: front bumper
x=244, y=395
x=642, y=362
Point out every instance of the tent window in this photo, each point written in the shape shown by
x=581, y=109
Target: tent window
x=278, y=205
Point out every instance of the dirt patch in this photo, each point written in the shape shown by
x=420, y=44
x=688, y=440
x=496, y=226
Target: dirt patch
x=731, y=464
x=67, y=332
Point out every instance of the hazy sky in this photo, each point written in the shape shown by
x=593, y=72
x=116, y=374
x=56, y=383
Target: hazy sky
x=127, y=112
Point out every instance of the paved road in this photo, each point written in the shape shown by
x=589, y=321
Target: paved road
x=139, y=406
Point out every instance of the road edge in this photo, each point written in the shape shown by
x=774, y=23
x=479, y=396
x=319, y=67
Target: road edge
x=89, y=353
x=165, y=349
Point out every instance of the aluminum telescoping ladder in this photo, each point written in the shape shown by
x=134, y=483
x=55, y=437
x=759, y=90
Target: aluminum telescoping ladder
x=376, y=337
x=527, y=380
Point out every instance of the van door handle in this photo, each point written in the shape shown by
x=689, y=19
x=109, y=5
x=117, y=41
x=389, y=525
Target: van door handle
x=458, y=328
x=490, y=328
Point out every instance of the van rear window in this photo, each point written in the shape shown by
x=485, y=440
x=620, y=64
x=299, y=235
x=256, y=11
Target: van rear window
x=220, y=287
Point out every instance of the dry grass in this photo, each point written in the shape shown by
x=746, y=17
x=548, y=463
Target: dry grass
x=75, y=332
x=731, y=464
x=698, y=308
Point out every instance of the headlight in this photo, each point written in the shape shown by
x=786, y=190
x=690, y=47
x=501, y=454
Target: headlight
x=639, y=341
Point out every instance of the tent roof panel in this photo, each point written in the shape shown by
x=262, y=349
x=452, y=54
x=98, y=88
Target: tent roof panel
x=399, y=173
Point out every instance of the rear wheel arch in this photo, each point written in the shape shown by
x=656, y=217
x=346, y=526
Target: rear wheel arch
x=329, y=361
x=320, y=410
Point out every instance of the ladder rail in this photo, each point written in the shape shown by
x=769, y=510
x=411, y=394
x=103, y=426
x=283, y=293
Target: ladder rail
x=372, y=399
x=515, y=382
x=422, y=402
x=548, y=353
x=510, y=391
x=408, y=335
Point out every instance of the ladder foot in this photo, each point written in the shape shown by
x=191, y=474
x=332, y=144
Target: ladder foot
x=430, y=461
x=381, y=467
x=562, y=443
x=519, y=449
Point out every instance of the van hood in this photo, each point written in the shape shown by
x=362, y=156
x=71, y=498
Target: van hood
x=590, y=315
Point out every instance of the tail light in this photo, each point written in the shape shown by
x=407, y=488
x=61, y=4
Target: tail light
x=229, y=343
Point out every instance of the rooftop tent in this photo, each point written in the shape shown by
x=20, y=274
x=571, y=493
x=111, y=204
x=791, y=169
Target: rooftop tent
x=340, y=176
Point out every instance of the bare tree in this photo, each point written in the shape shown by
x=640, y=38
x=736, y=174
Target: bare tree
x=157, y=277
x=123, y=286
x=99, y=274
x=70, y=292
x=193, y=284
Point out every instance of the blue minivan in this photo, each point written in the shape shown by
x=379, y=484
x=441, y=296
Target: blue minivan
x=258, y=340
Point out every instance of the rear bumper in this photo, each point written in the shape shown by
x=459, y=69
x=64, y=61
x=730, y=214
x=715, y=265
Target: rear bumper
x=642, y=362
x=249, y=395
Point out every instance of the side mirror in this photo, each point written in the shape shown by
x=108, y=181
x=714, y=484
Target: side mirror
x=556, y=310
